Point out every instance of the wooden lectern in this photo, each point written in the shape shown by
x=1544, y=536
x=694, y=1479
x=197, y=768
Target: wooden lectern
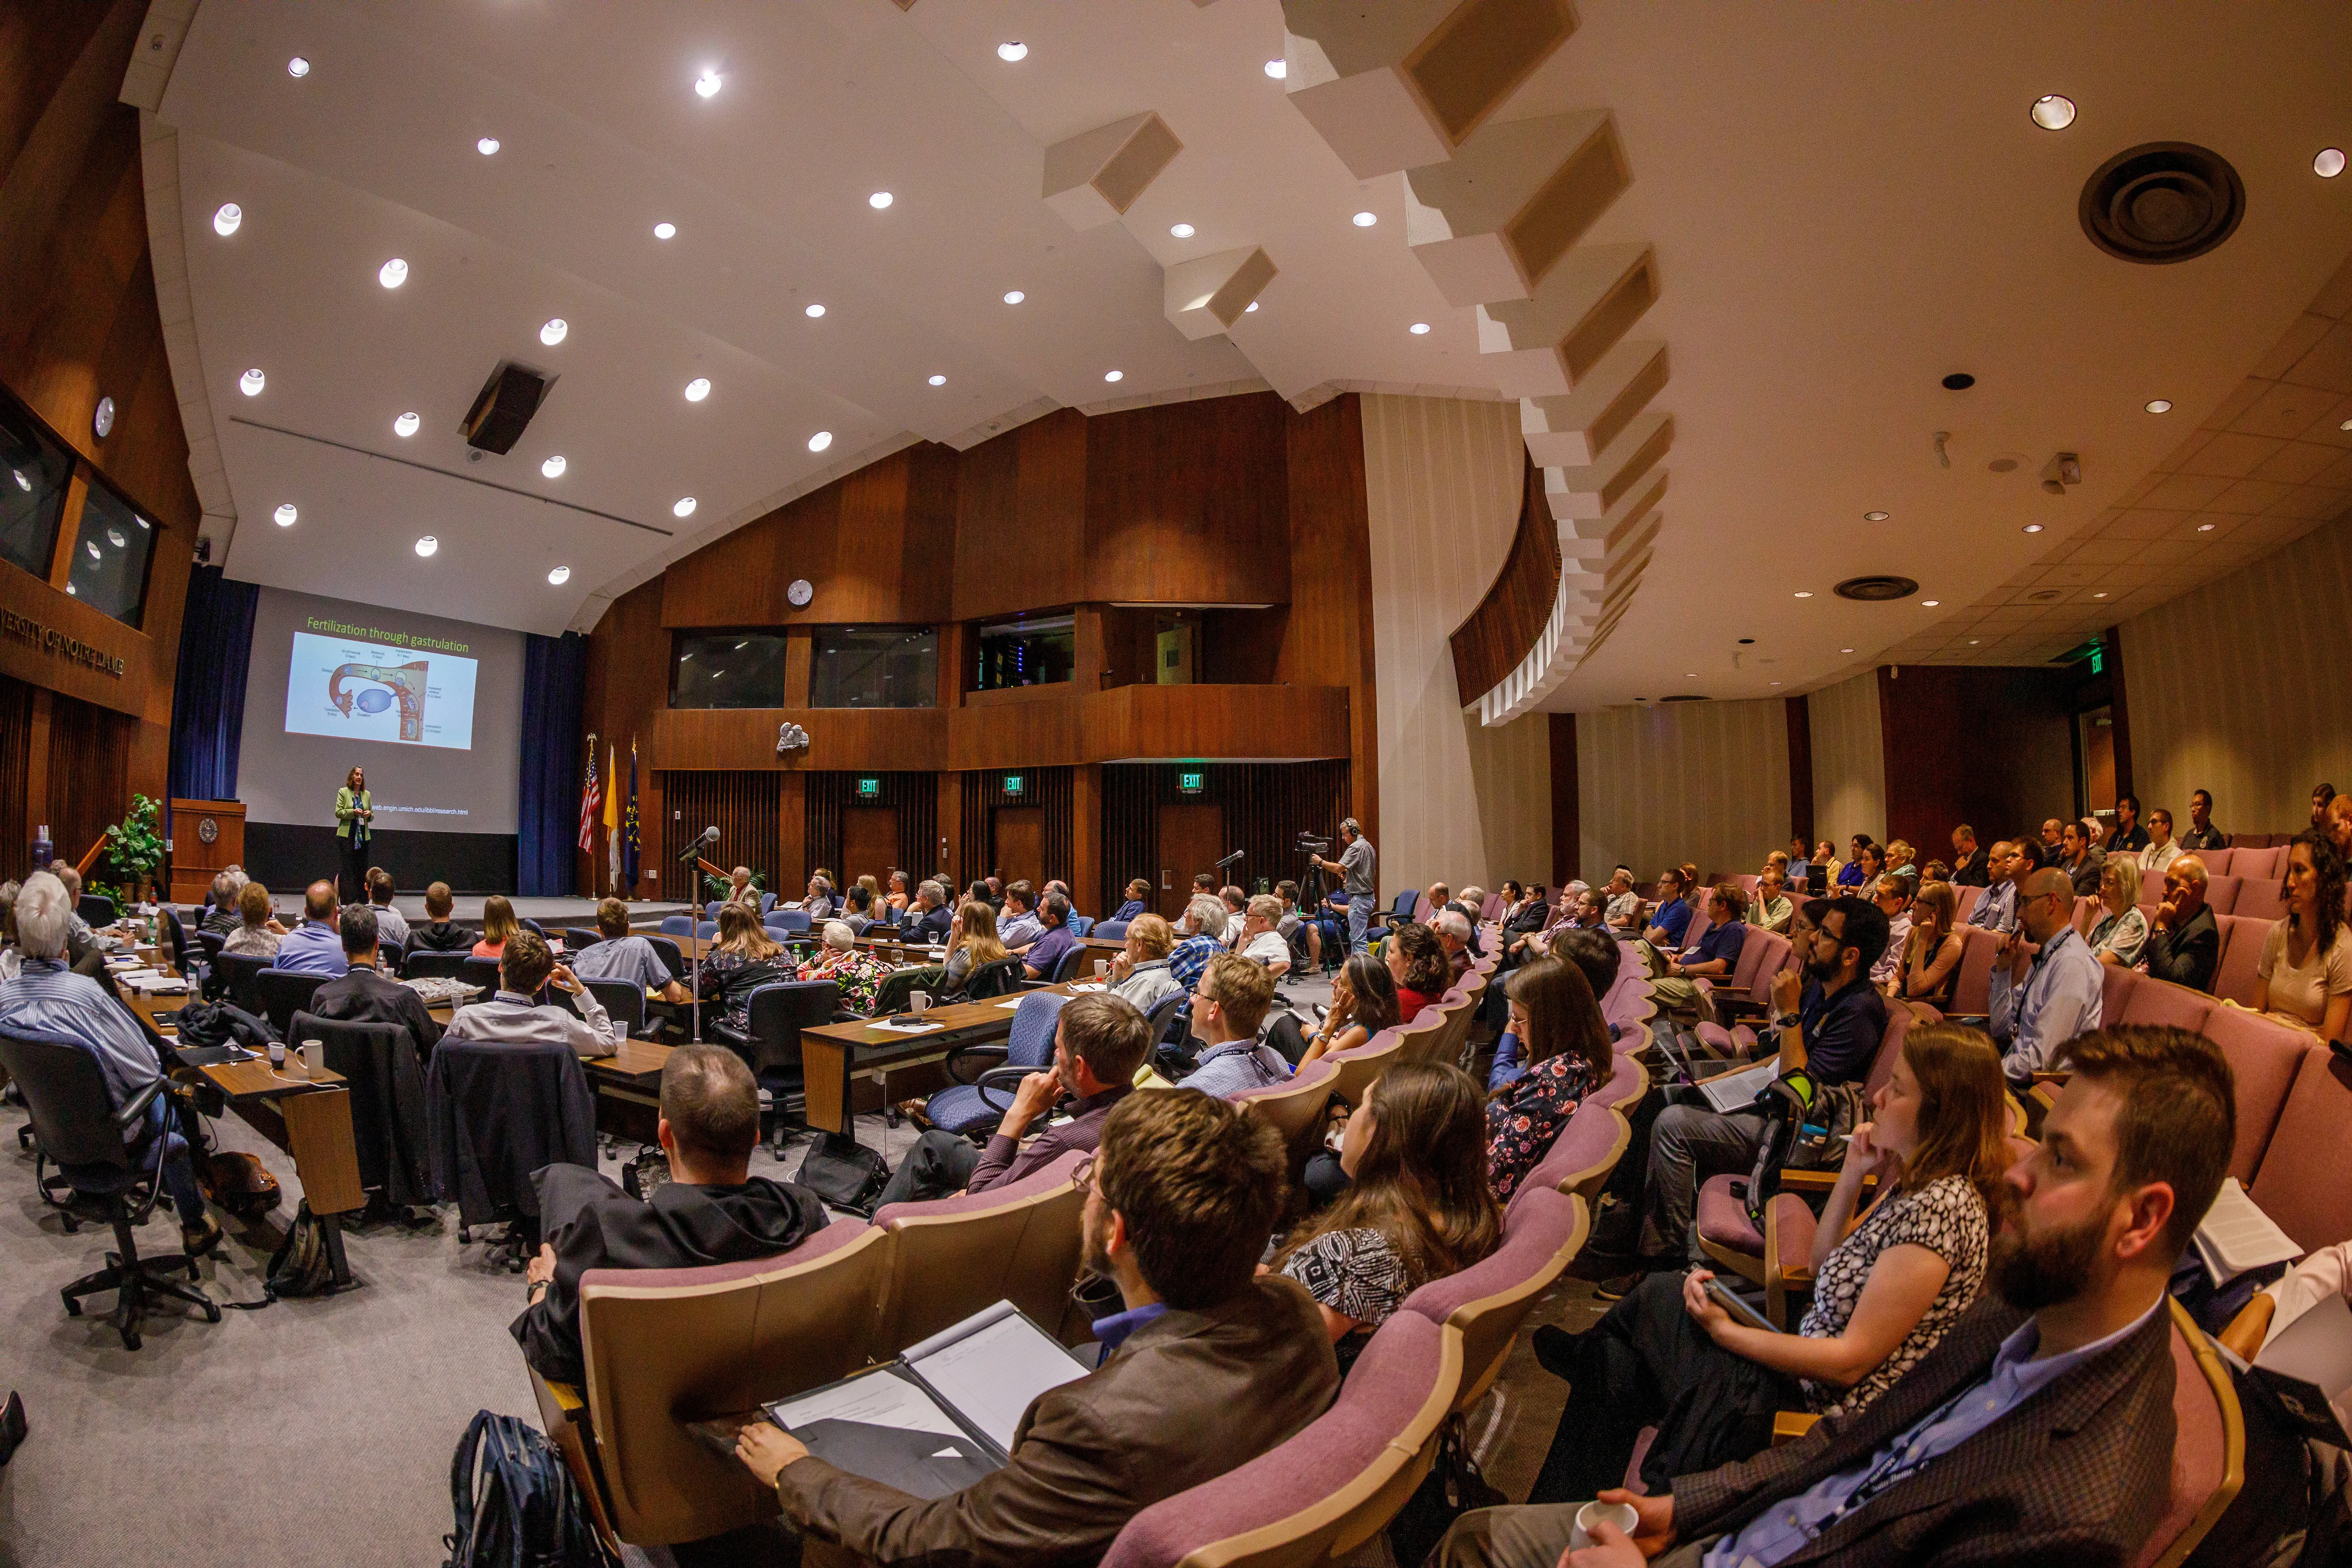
x=207, y=838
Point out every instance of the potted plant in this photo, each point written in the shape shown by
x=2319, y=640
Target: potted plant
x=134, y=849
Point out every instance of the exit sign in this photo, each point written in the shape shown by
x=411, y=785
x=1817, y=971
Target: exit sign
x=869, y=788
x=1190, y=780
x=1012, y=782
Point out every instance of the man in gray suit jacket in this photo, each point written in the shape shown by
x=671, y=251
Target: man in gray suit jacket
x=2020, y=1439
x=1209, y=1366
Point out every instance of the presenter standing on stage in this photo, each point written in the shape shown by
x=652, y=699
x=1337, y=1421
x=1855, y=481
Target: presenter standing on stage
x=355, y=812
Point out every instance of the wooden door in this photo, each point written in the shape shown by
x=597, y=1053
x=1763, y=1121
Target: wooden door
x=1191, y=839
x=1019, y=851
x=869, y=844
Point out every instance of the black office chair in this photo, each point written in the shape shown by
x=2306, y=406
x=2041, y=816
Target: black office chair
x=624, y=999
x=387, y=957
x=1162, y=1019
x=424, y=963
x=771, y=1044
x=1002, y=977
x=1072, y=964
x=671, y=954
x=209, y=942
x=532, y=926
x=66, y=1091
x=482, y=972
x=234, y=977
x=283, y=993
x=576, y=938
x=381, y=1072
x=96, y=909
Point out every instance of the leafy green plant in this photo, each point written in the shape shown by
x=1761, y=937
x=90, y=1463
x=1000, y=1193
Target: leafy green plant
x=133, y=847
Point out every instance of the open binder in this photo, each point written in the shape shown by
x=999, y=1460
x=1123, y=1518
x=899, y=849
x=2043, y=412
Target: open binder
x=941, y=1416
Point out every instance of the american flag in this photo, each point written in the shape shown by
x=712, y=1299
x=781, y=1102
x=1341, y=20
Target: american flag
x=592, y=797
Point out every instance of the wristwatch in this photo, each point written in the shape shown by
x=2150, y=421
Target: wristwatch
x=1787, y=1019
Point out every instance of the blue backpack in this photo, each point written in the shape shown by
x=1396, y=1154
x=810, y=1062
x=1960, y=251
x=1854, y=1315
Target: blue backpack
x=517, y=1505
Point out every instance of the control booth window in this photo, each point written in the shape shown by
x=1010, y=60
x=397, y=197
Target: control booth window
x=875, y=666
x=727, y=670
x=33, y=475
x=1036, y=651
x=111, y=556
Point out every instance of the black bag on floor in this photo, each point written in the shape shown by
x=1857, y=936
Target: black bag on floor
x=844, y=1172
x=517, y=1506
x=300, y=1265
x=1454, y=1486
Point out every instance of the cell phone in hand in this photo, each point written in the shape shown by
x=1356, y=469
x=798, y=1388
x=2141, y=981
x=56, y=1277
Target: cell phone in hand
x=1741, y=1312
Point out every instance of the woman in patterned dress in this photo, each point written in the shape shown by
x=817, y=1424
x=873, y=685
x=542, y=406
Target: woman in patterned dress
x=1886, y=1288
x=1565, y=1043
x=1419, y=1207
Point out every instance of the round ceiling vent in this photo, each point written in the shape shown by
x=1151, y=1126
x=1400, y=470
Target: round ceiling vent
x=2045, y=595
x=2162, y=202
x=1871, y=590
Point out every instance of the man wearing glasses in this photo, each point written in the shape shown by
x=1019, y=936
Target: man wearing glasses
x=2042, y=999
x=1229, y=1006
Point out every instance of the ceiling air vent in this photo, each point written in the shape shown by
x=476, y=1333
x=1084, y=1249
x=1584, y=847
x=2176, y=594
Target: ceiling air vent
x=1685, y=696
x=2162, y=202
x=1871, y=590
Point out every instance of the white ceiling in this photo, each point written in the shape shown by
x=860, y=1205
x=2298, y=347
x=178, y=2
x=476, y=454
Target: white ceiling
x=1847, y=201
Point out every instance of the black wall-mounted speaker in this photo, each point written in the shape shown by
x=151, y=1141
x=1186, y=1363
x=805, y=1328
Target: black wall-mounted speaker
x=504, y=406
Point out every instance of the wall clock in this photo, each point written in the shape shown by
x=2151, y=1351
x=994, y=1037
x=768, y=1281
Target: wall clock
x=800, y=593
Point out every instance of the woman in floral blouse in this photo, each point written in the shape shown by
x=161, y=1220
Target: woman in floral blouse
x=855, y=969
x=1885, y=1292
x=1566, y=1046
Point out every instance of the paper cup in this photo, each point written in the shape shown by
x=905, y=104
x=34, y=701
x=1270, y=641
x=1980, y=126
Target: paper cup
x=314, y=1056
x=1620, y=1514
x=919, y=1001
x=277, y=1053
x=1102, y=968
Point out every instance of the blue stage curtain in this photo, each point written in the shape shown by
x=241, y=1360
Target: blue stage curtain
x=208, y=690
x=554, y=683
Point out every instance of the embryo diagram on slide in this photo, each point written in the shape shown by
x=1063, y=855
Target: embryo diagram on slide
x=369, y=691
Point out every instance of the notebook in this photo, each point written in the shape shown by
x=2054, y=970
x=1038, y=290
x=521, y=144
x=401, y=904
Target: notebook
x=2237, y=1236
x=941, y=1416
x=1731, y=1090
x=2307, y=1366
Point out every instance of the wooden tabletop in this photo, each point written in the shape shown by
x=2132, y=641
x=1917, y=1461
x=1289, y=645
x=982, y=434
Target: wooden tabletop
x=953, y=1018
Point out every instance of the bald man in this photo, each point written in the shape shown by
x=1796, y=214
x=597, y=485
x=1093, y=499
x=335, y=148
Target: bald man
x=2045, y=994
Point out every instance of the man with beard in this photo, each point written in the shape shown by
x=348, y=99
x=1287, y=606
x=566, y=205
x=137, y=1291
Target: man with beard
x=2020, y=1439
x=1210, y=1366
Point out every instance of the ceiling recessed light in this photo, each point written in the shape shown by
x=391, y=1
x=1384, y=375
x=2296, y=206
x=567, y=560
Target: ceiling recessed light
x=1419, y=329
x=1958, y=381
x=2052, y=111
x=1364, y=220
x=2032, y=527
x=1277, y=70
x=1114, y=375
x=1181, y=231
x=1011, y=50
x=1803, y=594
x=665, y=231
x=406, y=426
x=1846, y=650
x=2329, y=163
x=1014, y=297
x=558, y=576
x=2101, y=595
x=553, y=468
x=393, y=273
x=298, y=67
x=487, y=146
x=938, y=381
x=879, y=200
x=1874, y=517
x=286, y=515
x=251, y=383
x=2159, y=405
x=1690, y=675
x=2205, y=528
x=698, y=389
x=1974, y=641
x=226, y=220
x=1929, y=604
x=553, y=333
x=819, y=441
x=682, y=507
x=2345, y=426
x=814, y=311
x=1776, y=683
x=1253, y=305
x=707, y=84
x=427, y=544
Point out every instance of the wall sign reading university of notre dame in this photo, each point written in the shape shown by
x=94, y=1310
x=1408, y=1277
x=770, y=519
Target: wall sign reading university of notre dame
x=26, y=629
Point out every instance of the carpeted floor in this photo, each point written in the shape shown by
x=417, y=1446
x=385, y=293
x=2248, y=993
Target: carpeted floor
x=319, y=1432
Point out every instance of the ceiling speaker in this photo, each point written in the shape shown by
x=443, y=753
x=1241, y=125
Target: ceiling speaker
x=2162, y=202
x=502, y=409
x=1871, y=590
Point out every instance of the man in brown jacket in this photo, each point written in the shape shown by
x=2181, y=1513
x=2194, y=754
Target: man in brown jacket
x=1209, y=1366
x=2020, y=1439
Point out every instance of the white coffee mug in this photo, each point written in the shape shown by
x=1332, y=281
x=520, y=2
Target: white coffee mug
x=1620, y=1514
x=277, y=1053
x=919, y=1001
x=1102, y=968
x=314, y=1056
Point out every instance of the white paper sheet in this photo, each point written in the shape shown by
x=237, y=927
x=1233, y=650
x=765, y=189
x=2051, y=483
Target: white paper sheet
x=993, y=1373
x=897, y=1027
x=2237, y=1236
x=879, y=1399
x=1730, y=1090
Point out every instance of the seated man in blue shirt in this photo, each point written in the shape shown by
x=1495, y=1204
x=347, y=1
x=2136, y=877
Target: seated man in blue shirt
x=1715, y=958
x=1229, y=1007
x=2020, y=1439
x=1019, y=926
x=1138, y=897
x=316, y=946
x=1673, y=916
x=1040, y=955
x=47, y=998
x=624, y=955
x=2043, y=997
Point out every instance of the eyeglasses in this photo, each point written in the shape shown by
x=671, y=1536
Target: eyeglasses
x=1083, y=1178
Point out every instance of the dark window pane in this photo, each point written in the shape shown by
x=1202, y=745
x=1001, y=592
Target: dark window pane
x=111, y=556
x=33, y=475
x=875, y=666
x=1025, y=653
x=729, y=670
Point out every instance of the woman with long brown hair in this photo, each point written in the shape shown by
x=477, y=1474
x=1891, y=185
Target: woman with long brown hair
x=1363, y=1003
x=1419, y=1207
x=499, y=924
x=2305, y=973
x=1887, y=1287
x=1565, y=1043
x=744, y=959
x=1931, y=952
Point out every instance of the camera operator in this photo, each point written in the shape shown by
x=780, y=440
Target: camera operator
x=1358, y=870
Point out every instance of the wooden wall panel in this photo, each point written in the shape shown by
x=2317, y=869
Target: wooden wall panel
x=16, y=774
x=742, y=806
x=1800, y=772
x=1021, y=520
x=1264, y=805
x=1326, y=638
x=627, y=689
x=839, y=738
x=1188, y=503
x=1937, y=723
x=913, y=796
x=90, y=757
x=1051, y=789
x=1134, y=721
x=1567, y=827
x=1498, y=634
